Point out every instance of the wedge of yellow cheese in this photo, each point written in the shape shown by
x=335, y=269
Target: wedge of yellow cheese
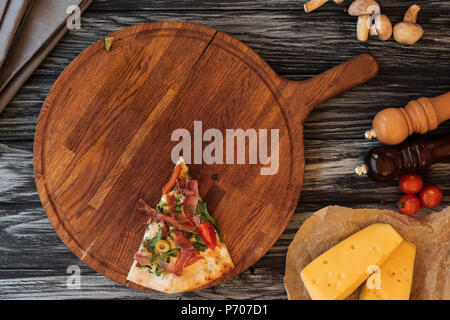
x=395, y=276
x=336, y=273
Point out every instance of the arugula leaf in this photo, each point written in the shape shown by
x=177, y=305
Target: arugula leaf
x=168, y=254
x=169, y=232
x=197, y=237
x=155, y=255
x=157, y=271
x=198, y=243
x=199, y=246
x=107, y=43
x=203, y=212
x=150, y=244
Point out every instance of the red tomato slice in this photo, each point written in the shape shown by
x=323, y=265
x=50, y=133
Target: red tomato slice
x=173, y=179
x=207, y=233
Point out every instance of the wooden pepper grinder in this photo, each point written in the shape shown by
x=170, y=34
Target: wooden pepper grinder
x=385, y=163
x=392, y=126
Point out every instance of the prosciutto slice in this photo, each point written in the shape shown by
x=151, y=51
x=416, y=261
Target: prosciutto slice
x=191, y=260
x=184, y=243
x=177, y=267
x=147, y=213
x=188, y=255
x=184, y=259
x=189, y=189
x=188, y=207
x=142, y=257
x=179, y=223
x=171, y=268
x=197, y=220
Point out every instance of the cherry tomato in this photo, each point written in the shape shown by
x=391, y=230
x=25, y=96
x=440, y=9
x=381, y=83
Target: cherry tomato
x=207, y=233
x=410, y=183
x=430, y=196
x=409, y=204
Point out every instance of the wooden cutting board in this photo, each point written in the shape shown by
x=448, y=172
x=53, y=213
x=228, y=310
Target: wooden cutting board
x=103, y=138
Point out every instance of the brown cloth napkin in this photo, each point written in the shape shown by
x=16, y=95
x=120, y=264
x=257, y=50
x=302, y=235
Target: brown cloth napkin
x=44, y=26
x=13, y=13
x=3, y=4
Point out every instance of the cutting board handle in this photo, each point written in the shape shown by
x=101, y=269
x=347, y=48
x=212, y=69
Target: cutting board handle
x=305, y=95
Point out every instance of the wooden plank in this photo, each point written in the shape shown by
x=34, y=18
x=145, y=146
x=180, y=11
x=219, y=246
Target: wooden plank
x=264, y=283
x=269, y=5
x=16, y=171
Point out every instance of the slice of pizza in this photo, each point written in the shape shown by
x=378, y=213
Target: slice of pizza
x=182, y=249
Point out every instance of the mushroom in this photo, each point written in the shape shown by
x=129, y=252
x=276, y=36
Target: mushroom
x=363, y=7
x=364, y=10
x=363, y=27
x=314, y=4
x=408, y=31
x=382, y=27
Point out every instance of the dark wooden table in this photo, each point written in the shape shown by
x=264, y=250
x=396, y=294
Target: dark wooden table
x=34, y=261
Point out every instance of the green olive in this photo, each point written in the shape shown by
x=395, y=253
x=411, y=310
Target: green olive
x=162, y=246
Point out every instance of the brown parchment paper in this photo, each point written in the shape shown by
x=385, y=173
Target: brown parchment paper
x=330, y=225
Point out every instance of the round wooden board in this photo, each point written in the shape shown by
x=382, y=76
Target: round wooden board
x=103, y=138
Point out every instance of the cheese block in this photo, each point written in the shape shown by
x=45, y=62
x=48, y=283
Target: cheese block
x=396, y=275
x=336, y=273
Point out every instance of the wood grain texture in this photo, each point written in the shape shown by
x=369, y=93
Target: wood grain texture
x=297, y=46
x=103, y=138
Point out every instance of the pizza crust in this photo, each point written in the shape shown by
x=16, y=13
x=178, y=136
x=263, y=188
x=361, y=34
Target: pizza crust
x=214, y=264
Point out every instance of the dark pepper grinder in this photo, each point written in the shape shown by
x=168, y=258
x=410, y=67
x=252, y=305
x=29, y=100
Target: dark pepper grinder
x=414, y=155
